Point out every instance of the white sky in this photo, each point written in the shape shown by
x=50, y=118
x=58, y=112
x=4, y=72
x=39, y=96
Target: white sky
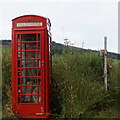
x=80, y=21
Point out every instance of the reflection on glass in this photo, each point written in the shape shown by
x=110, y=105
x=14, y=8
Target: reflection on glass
x=31, y=99
x=31, y=90
x=28, y=63
x=18, y=55
x=30, y=72
x=28, y=37
x=18, y=36
x=31, y=81
x=18, y=90
x=30, y=54
x=28, y=46
x=27, y=85
x=19, y=72
x=18, y=46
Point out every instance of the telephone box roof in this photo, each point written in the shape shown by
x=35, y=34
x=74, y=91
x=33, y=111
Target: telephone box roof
x=29, y=16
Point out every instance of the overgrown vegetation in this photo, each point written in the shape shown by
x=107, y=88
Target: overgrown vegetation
x=77, y=86
x=6, y=81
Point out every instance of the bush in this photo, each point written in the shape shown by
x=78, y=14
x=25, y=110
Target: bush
x=78, y=83
x=6, y=80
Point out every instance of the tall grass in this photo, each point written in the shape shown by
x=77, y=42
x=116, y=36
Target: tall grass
x=78, y=86
x=6, y=80
x=114, y=87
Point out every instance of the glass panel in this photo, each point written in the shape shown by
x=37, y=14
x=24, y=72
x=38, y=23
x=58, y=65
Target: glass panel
x=38, y=45
x=31, y=99
x=28, y=37
x=30, y=72
x=18, y=36
x=36, y=98
x=28, y=46
x=18, y=63
x=30, y=54
x=39, y=55
x=31, y=46
x=18, y=55
x=19, y=81
x=28, y=63
x=19, y=90
x=19, y=72
x=31, y=90
x=38, y=37
x=18, y=99
x=18, y=46
x=30, y=81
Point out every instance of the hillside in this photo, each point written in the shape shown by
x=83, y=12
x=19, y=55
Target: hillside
x=58, y=48
x=5, y=42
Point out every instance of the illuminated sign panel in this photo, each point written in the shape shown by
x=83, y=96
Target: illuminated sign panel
x=29, y=24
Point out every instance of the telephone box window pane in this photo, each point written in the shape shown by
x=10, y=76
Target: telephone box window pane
x=18, y=36
x=31, y=90
x=38, y=37
x=31, y=99
x=29, y=46
x=31, y=81
x=28, y=63
x=18, y=46
x=37, y=98
x=18, y=55
x=28, y=37
x=18, y=63
x=30, y=72
x=30, y=54
x=18, y=81
x=18, y=90
x=19, y=72
x=39, y=55
x=39, y=46
x=18, y=99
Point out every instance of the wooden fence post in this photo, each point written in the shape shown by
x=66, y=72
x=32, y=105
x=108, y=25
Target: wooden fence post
x=105, y=63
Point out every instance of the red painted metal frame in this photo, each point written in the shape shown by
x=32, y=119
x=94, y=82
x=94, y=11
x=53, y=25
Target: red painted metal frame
x=32, y=110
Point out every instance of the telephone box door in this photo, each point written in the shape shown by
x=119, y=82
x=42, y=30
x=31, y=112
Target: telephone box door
x=30, y=72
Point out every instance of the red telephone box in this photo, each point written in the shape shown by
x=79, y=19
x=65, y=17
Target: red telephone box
x=31, y=66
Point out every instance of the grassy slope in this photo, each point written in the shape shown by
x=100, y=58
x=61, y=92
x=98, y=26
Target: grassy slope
x=77, y=86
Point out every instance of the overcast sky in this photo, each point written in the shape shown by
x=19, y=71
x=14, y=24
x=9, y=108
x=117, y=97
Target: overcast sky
x=81, y=21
